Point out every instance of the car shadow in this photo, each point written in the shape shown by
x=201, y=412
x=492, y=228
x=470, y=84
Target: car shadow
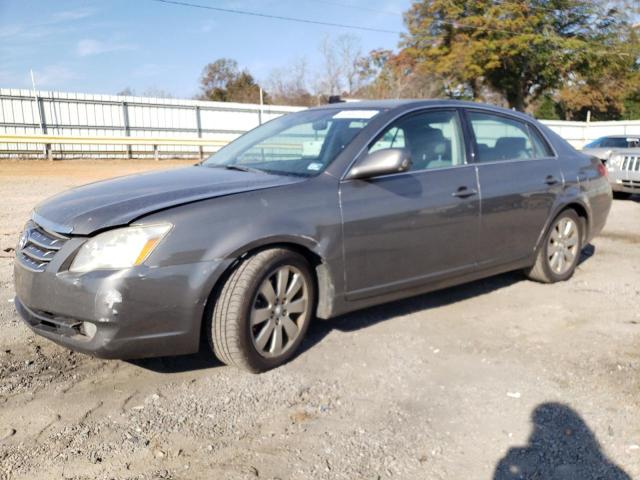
x=561, y=446
x=586, y=253
x=201, y=360
x=350, y=322
x=372, y=315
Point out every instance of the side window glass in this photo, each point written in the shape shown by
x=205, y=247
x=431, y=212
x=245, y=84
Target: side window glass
x=433, y=139
x=500, y=138
x=392, y=138
x=541, y=148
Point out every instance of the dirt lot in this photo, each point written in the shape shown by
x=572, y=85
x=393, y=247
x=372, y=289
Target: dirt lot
x=490, y=380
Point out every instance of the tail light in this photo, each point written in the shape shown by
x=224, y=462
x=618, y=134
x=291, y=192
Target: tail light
x=602, y=170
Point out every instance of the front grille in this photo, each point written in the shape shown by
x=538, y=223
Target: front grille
x=635, y=184
x=631, y=163
x=38, y=246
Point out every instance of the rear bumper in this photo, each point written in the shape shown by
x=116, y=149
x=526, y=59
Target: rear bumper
x=133, y=313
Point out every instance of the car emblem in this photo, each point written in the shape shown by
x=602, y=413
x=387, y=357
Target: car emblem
x=24, y=238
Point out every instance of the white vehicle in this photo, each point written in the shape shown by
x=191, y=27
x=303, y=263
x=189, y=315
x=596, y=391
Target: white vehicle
x=621, y=154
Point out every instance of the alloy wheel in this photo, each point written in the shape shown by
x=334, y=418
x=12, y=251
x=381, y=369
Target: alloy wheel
x=563, y=246
x=279, y=310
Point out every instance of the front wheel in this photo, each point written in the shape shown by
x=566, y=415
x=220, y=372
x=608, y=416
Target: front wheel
x=263, y=310
x=559, y=254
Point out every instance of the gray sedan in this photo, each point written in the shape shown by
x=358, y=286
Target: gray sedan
x=311, y=215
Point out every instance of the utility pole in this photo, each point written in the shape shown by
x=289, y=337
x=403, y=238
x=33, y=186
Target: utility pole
x=43, y=129
x=261, y=104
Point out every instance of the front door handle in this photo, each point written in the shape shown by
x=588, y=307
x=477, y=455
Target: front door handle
x=551, y=180
x=464, y=192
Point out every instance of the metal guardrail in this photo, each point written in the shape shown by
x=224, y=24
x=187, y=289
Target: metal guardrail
x=100, y=140
x=111, y=140
x=105, y=140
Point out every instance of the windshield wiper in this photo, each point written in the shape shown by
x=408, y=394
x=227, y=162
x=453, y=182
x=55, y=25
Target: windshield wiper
x=242, y=168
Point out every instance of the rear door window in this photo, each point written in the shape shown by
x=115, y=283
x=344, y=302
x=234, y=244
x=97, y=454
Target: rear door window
x=540, y=146
x=500, y=138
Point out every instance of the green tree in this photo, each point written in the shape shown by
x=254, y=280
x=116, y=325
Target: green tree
x=521, y=49
x=604, y=73
x=223, y=81
x=547, y=109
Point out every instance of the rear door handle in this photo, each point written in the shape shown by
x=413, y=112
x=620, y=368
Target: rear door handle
x=551, y=180
x=464, y=192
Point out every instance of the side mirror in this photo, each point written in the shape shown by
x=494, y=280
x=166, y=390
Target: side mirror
x=381, y=162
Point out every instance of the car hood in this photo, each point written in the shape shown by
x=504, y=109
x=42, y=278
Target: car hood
x=119, y=201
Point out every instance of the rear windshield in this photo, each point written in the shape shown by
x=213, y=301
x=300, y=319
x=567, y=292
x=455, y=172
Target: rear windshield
x=301, y=144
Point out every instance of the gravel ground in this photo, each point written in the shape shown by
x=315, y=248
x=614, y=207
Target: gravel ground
x=498, y=379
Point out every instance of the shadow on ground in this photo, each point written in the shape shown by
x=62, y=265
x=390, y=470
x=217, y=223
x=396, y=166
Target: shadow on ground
x=370, y=316
x=183, y=363
x=561, y=447
x=357, y=320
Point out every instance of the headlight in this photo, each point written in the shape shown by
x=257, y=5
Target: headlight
x=615, y=161
x=120, y=248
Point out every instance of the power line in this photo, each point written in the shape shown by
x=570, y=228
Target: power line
x=357, y=7
x=276, y=17
x=454, y=24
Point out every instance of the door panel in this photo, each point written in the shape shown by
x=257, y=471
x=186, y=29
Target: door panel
x=517, y=198
x=519, y=183
x=406, y=229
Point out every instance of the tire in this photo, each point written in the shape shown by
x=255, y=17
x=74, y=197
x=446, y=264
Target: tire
x=621, y=195
x=546, y=269
x=250, y=326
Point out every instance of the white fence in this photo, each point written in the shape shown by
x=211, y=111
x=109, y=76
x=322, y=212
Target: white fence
x=580, y=133
x=24, y=112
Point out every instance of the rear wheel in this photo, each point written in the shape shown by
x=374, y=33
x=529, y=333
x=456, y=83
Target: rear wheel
x=263, y=310
x=559, y=254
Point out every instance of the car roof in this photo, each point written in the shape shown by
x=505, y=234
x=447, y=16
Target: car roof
x=408, y=104
x=619, y=136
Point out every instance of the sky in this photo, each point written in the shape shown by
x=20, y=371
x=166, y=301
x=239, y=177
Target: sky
x=104, y=46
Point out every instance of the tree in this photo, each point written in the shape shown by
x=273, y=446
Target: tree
x=330, y=77
x=126, y=92
x=389, y=75
x=288, y=85
x=340, y=72
x=156, y=93
x=521, y=49
x=223, y=81
x=605, y=74
x=148, y=92
x=350, y=55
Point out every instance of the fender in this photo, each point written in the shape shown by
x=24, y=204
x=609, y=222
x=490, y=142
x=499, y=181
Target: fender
x=570, y=196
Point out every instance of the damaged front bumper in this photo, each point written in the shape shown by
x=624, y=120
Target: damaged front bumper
x=132, y=313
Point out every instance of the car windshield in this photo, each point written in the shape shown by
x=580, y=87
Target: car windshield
x=301, y=144
x=615, y=142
